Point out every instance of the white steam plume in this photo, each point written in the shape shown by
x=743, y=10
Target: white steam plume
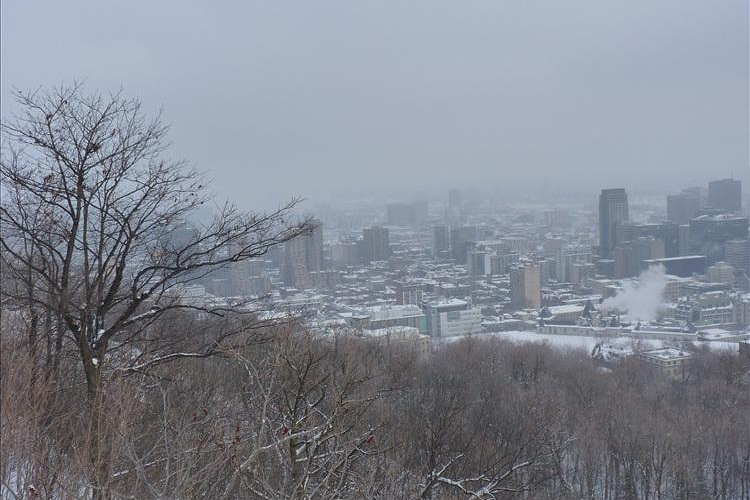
x=641, y=298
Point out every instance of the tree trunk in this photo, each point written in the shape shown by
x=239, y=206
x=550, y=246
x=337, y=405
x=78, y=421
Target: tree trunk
x=100, y=444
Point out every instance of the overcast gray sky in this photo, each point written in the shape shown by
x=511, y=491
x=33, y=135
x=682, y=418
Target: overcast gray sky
x=281, y=98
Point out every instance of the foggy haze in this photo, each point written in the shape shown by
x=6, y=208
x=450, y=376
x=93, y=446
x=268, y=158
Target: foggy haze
x=277, y=99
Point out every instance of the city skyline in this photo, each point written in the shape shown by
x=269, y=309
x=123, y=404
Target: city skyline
x=435, y=250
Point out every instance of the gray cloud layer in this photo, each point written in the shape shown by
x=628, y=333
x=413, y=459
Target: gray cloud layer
x=278, y=98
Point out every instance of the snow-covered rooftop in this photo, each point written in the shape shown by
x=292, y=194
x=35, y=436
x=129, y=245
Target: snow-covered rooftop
x=665, y=353
x=565, y=309
x=393, y=312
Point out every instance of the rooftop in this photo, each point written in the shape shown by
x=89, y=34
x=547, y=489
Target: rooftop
x=449, y=303
x=393, y=312
x=675, y=259
x=399, y=331
x=667, y=353
x=565, y=309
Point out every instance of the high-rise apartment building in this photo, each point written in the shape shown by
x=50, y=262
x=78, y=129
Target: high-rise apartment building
x=500, y=262
x=613, y=210
x=375, y=245
x=303, y=255
x=460, y=237
x=345, y=253
x=440, y=240
x=525, y=286
x=478, y=263
x=569, y=255
x=314, y=247
x=294, y=271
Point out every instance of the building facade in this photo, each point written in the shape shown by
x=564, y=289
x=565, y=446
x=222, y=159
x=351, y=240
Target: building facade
x=525, y=286
x=725, y=194
x=710, y=233
x=613, y=210
x=375, y=244
x=453, y=317
x=682, y=207
x=303, y=255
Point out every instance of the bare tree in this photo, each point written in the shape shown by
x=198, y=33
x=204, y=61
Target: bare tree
x=309, y=409
x=89, y=217
x=473, y=436
x=295, y=417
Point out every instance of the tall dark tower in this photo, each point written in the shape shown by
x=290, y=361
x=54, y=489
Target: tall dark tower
x=725, y=194
x=682, y=207
x=613, y=210
x=440, y=241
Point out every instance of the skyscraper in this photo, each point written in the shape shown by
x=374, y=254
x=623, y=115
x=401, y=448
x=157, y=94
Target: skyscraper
x=478, y=263
x=375, y=244
x=725, y=194
x=440, y=242
x=613, y=210
x=460, y=237
x=682, y=207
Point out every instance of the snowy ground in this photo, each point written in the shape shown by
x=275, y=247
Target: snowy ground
x=583, y=343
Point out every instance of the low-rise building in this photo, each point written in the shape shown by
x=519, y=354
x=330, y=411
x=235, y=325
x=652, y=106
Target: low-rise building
x=564, y=314
x=397, y=315
x=710, y=308
x=452, y=317
x=721, y=272
x=670, y=360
